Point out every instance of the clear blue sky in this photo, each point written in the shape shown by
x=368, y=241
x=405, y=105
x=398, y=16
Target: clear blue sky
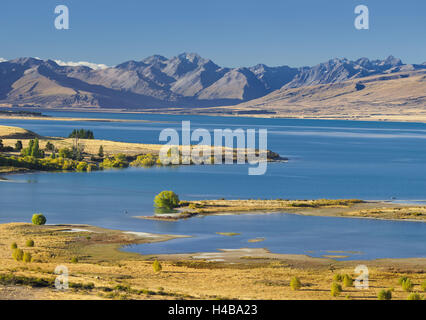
x=230, y=32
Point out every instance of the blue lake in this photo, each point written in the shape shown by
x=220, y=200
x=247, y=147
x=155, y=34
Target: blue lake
x=328, y=159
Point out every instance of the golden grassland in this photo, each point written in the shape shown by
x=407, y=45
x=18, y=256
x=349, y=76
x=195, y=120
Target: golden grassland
x=322, y=207
x=104, y=272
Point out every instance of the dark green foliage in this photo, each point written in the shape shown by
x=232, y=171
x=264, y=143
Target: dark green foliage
x=18, y=254
x=336, y=289
x=157, y=266
x=166, y=200
x=118, y=161
x=74, y=260
x=18, y=145
x=38, y=219
x=29, y=243
x=14, y=246
x=50, y=146
x=347, y=281
x=295, y=283
x=415, y=296
x=27, y=257
x=33, y=149
x=101, y=152
x=81, y=134
x=384, y=294
x=407, y=285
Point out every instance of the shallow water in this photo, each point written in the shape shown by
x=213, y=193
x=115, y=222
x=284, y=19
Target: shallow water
x=328, y=159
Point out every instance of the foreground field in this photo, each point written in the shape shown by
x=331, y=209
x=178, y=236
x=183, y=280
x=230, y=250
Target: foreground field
x=101, y=271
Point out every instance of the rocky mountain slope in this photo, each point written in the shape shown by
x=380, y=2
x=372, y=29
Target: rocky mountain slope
x=184, y=81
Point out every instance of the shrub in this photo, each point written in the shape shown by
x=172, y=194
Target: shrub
x=415, y=296
x=401, y=280
x=101, y=152
x=29, y=243
x=17, y=254
x=407, y=285
x=338, y=277
x=336, y=289
x=65, y=153
x=348, y=281
x=423, y=285
x=166, y=200
x=18, y=145
x=38, y=219
x=384, y=294
x=27, y=257
x=74, y=260
x=82, y=166
x=13, y=246
x=118, y=161
x=157, y=266
x=295, y=283
x=50, y=146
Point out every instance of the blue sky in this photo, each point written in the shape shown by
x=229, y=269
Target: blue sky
x=230, y=32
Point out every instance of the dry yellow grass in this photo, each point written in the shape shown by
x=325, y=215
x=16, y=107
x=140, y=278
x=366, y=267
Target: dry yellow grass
x=324, y=207
x=262, y=276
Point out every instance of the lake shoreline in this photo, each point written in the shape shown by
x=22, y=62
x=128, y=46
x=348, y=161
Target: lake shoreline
x=378, y=210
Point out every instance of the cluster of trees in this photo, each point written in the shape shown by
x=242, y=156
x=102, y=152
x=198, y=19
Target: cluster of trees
x=47, y=164
x=117, y=161
x=33, y=149
x=82, y=134
x=146, y=160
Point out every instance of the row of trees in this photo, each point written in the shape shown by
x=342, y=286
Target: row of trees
x=82, y=134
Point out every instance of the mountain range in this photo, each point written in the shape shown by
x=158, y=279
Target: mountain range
x=184, y=81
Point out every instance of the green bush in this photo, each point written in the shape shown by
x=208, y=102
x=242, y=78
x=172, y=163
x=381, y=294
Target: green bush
x=27, y=257
x=18, y=145
x=13, y=246
x=117, y=161
x=295, y=283
x=384, y=294
x=336, y=289
x=338, y=277
x=166, y=200
x=157, y=266
x=401, y=280
x=415, y=296
x=29, y=243
x=407, y=285
x=38, y=219
x=348, y=281
x=423, y=285
x=74, y=260
x=17, y=254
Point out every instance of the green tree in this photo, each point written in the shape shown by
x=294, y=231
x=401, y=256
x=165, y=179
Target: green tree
x=18, y=145
x=27, y=257
x=336, y=289
x=50, y=146
x=295, y=283
x=38, y=219
x=384, y=294
x=17, y=254
x=157, y=266
x=29, y=243
x=347, y=280
x=407, y=285
x=415, y=296
x=101, y=151
x=166, y=200
x=14, y=246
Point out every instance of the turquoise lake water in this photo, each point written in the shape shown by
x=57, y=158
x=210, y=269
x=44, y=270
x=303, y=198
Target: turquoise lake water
x=328, y=159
